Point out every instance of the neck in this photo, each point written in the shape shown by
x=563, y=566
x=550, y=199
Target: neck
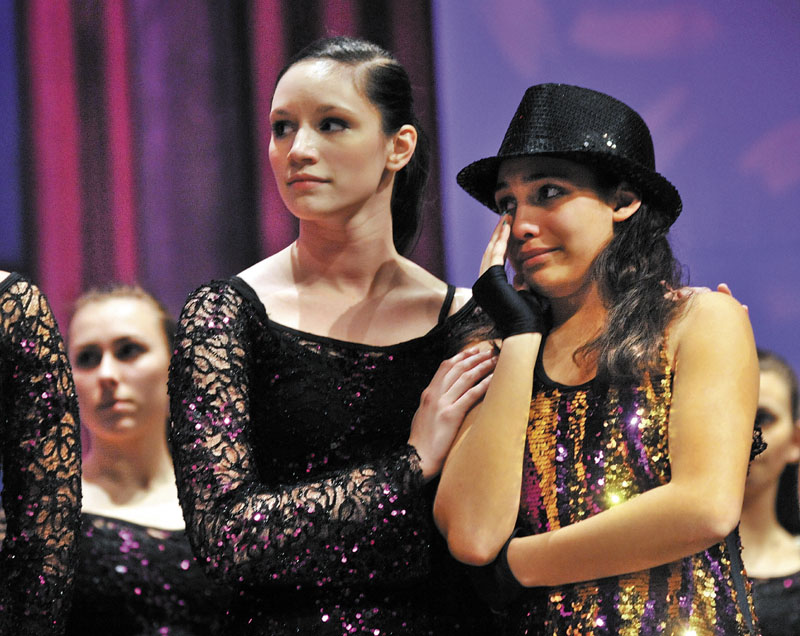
x=128, y=465
x=577, y=319
x=581, y=314
x=759, y=517
x=355, y=256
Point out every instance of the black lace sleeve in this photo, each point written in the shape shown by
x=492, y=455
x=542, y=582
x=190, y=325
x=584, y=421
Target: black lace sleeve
x=246, y=530
x=41, y=465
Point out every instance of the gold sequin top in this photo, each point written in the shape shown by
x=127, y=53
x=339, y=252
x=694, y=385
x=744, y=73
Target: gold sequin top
x=590, y=447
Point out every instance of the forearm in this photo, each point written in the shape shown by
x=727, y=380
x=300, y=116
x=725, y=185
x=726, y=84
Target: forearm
x=659, y=526
x=478, y=497
x=336, y=527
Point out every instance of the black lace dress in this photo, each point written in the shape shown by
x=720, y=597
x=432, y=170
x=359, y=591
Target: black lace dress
x=40, y=461
x=133, y=580
x=296, y=481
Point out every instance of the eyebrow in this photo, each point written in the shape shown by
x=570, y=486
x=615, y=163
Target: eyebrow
x=322, y=109
x=535, y=176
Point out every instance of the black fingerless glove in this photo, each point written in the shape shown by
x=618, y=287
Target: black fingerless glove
x=513, y=312
x=495, y=583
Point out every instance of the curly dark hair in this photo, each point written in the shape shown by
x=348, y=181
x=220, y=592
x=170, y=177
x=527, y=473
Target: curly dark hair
x=635, y=273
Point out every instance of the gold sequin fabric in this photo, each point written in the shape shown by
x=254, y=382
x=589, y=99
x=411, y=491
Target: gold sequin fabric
x=590, y=448
x=298, y=486
x=40, y=462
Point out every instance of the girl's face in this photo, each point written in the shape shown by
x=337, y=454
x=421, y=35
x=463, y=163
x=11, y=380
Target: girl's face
x=780, y=433
x=560, y=222
x=120, y=357
x=328, y=150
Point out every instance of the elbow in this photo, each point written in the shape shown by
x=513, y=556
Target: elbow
x=469, y=544
x=468, y=540
x=470, y=550
x=717, y=521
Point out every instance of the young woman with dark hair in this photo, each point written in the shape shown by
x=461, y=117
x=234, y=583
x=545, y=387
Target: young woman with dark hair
x=303, y=449
x=770, y=514
x=614, y=439
x=40, y=461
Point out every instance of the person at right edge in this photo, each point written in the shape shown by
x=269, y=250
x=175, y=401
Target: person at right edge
x=600, y=483
x=770, y=515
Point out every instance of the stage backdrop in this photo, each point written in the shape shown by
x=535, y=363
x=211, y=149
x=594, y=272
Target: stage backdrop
x=134, y=131
x=716, y=81
x=135, y=134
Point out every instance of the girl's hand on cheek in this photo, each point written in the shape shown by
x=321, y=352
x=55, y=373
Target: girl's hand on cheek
x=495, y=253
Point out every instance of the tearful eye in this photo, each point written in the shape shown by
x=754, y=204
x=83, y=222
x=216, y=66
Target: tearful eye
x=549, y=192
x=506, y=205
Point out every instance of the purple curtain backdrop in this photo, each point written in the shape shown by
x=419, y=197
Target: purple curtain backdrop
x=146, y=133
x=141, y=149
x=716, y=82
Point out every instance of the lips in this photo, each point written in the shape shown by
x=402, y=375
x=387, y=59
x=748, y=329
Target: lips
x=305, y=178
x=534, y=255
x=114, y=405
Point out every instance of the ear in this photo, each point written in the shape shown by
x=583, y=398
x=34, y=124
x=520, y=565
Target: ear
x=625, y=202
x=401, y=147
x=794, y=455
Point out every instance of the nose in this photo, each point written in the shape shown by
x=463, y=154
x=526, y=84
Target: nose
x=304, y=149
x=525, y=224
x=107, y=371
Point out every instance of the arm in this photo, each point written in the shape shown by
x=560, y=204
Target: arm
x=247, y=530
x=477, y=516
x=710, y=432
x=41, y=467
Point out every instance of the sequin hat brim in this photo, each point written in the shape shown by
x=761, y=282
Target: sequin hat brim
x=581, y=125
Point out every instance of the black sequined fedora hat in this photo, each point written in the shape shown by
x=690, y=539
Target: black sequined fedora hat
x=582, y=125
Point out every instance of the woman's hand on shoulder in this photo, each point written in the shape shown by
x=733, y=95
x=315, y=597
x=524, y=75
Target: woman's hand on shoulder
x=459, y=383
x=688, y=292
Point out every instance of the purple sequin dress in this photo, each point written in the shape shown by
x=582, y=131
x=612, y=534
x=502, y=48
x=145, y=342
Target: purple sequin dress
x=296, y=481
x=40, y=461
x=590, y=447
x=134, y=580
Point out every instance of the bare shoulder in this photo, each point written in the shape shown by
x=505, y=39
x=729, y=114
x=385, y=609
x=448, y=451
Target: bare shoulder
x=3, y=275
x=711, y=319
x=269, y=275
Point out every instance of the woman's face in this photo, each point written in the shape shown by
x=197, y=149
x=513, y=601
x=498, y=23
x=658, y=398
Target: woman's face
x=120, y=358
x=559, y=222
x=328, y=150
x=780, y=433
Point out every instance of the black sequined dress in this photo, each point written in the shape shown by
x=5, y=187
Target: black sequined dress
x=298, y=485
x=40, y=461
x=777, y=602
x=134, y=580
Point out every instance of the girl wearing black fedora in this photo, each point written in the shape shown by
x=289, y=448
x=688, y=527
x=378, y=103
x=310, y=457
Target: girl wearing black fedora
x=619, y=475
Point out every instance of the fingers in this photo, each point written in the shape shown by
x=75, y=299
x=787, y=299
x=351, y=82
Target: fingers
x=495, y=253
x=723, y=288
x=472, y=396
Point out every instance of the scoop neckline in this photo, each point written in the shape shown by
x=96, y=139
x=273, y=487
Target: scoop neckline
x=249, y=294
x=541, y=375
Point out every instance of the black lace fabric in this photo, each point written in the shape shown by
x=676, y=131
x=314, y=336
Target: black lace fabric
x=134, y=580
x=296, y=481
x=40, y=443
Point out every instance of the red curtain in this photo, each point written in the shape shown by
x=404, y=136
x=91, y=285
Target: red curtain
x=147, y=133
